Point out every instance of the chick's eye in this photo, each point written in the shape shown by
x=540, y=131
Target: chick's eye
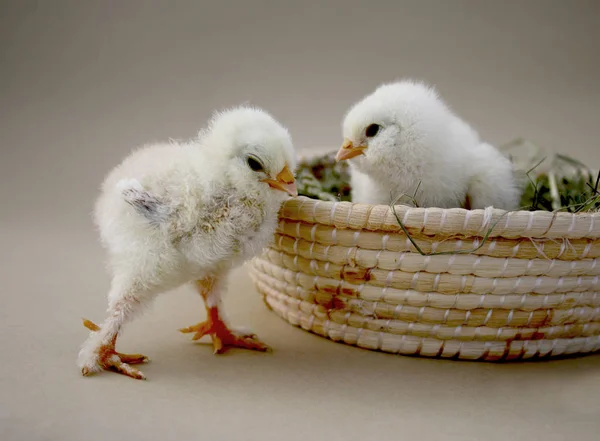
x=372, y=130
x=255, y=165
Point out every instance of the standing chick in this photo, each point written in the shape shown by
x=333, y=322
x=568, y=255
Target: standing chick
x=403, y=139
x=189, y=212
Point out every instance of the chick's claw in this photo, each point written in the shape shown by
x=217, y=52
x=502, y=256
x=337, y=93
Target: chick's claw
x=132, y=358
x=200, y=329
x=224, y=338
x=91, y=325
x=233, y=339
x=107, y=358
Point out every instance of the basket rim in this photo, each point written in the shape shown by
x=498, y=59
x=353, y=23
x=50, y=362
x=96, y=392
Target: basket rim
x=490, y=221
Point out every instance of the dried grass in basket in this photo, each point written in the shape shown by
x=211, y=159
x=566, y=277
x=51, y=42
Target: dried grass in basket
x=490, y=285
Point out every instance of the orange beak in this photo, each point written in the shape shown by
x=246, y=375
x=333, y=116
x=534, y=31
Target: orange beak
x=348, y=151
x=284, y=181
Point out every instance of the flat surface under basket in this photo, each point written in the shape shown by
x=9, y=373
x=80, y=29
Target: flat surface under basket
x=345, y=392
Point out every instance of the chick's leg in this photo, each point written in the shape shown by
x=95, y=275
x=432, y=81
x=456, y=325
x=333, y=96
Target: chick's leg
x=98, y=352
x=222, y=336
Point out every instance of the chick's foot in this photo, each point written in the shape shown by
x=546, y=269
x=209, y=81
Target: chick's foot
x=223, y=337
x=105, y=357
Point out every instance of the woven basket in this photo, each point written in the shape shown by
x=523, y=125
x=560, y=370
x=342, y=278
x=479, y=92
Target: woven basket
x=350, y=273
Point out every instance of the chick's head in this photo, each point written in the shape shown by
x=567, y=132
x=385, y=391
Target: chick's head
x=397, y=123
x=257, y=150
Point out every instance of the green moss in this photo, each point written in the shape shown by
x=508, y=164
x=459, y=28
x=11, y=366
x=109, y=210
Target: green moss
x=574, y=194
x=323, y=178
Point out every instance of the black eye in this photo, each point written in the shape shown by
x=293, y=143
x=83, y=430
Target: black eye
x=254, y=164
x=372, y=130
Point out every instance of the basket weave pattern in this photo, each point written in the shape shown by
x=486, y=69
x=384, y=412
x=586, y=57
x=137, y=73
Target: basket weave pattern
x=348, y=272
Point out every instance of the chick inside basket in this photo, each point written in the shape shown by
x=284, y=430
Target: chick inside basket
x=551, y=181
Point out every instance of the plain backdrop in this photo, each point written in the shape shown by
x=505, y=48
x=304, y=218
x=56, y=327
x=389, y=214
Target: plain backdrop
x=82, y=82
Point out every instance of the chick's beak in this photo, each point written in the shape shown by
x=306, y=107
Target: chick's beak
x=348, y=150
x=284, y=181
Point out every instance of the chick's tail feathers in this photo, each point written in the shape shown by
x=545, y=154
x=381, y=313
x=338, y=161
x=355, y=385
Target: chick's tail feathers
x=144, y=202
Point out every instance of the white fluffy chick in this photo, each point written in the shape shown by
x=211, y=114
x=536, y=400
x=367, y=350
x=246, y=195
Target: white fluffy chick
x=175, y=213
x=404, y=140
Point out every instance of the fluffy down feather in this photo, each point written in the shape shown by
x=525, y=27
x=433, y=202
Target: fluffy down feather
x=403, y=137
x=174, y=213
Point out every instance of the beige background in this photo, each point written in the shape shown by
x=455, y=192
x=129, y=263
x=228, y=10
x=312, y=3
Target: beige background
x=81, y=82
